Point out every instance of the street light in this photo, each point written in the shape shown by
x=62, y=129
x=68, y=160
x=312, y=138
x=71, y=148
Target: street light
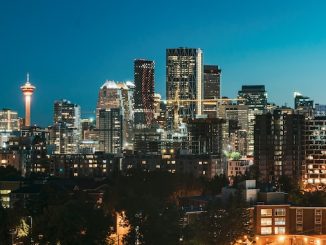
x=31, y=229
x=281, y=238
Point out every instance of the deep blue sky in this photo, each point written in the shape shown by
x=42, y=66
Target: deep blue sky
x=71, y=47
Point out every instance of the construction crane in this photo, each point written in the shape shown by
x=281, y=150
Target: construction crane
x=176, y=103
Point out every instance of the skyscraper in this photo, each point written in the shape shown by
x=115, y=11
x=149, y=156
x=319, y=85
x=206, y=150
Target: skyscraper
x=118, y=95
x=66, y=131
x=109, y=97
x=67, y=112
x=304, y=104
x=110, y=130
x=28, y=90
x=212, y=86
x=184, y=84
x=255, y=97
x=144, y=91
x=9, y=120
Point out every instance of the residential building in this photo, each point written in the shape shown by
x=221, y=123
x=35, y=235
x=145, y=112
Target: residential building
x=279, y=145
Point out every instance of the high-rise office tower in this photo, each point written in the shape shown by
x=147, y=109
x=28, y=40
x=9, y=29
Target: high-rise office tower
x=127, y=108
x=118, y=95
x=212, y=85
x=64, y=139
x=66, y=132
x=9, y=120
x=212, y=89
x=236, y=127
x=205, y=136
x=301, y=101
x=320, y=110
x=184, y=84
x=109, y=97
x=304, y=104
x=255, y=97
x=110, y=130
x=144, y=91
x=67, y=112
x=279, y=145
x=28, y=90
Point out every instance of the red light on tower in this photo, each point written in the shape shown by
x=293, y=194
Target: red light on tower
x=27, y=90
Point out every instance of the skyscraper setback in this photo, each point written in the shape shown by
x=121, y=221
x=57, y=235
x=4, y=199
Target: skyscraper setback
x=144, y=91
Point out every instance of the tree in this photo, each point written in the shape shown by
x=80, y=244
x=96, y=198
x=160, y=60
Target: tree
x=4, y=225
x=76, y=221
x=215, y=185
x=9, y=173
x=220, y=224
x=149, y=201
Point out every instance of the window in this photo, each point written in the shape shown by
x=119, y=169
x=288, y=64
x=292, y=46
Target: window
x=299, y=219
x=266, y=230
x=318, y=217
x=279, y=230
x=279, y=212
x=299, y=227
x=266, y=212
x=265, y=221
x=279, y=221
x=299, y=211
x=4, y=192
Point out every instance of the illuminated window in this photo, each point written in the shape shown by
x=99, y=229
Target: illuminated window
x=279, y=221
x=265, y=221
x=266, y=230
x=4, y=192
x=279, y=212
x=279, y=230
x=266, y=212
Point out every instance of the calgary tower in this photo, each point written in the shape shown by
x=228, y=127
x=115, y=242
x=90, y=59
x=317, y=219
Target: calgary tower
x=27, y=90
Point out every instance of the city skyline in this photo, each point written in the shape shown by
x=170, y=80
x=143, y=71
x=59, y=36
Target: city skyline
x=71, y=49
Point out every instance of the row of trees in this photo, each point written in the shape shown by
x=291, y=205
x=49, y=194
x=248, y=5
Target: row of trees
x=150, y=202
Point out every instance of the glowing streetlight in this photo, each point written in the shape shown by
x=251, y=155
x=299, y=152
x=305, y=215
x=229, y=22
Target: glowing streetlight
x=281, y=238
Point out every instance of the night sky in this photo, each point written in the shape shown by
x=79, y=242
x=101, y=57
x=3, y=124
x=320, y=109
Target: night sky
x=71, y=47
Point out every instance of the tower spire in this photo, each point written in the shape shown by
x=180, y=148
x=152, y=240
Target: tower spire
x=27, y=77
x=27, y=90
